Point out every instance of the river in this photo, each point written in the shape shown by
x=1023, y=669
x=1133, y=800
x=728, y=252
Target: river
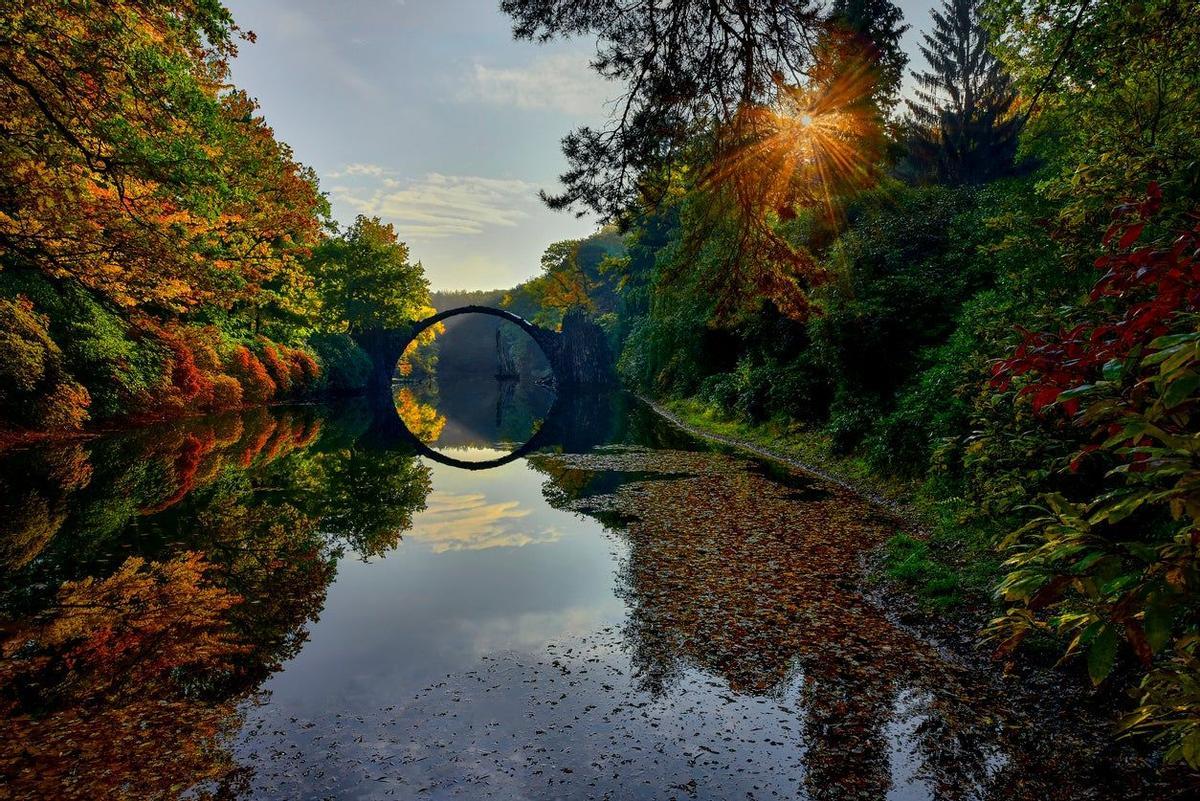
x=325, y=602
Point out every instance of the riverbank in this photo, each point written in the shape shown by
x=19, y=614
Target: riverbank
x=940, y=569
x=926, y=578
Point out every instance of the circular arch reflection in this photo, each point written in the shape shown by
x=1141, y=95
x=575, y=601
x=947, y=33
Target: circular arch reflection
x=459, y=407
x=529, y=446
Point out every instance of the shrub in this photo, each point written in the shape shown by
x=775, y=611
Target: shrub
x=65, y=406
x=1115, y=560
x=257, y=385
x=277, y=367
x=344, y=367
x=226, y=393
x=305, y=370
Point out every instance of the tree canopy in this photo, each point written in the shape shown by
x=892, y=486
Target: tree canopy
x=681, y=66
x=366, y=279
x=127, y=165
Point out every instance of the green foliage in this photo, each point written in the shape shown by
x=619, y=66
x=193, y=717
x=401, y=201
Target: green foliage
x=346, y=368
x=1136, y=122
x=366, y=281
x=880, y=25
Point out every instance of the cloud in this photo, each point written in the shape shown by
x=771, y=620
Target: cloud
x=563, y=83
x=468, y=522
x=435, y=206
x=357, y=169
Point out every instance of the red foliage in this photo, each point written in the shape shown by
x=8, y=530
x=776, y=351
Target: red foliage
x=308, y=367
x=278, y=369
x=257, y=385
x=308, y=435
x=1150, y=285
x=256, y=443
x=187, y=464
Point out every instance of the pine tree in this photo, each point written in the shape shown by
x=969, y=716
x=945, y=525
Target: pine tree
x=877, y=25
x=962, y=126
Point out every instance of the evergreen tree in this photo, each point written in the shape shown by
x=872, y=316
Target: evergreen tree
x=877, y=26
x=962, y=128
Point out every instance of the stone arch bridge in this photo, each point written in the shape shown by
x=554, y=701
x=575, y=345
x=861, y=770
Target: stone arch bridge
x=578, y=354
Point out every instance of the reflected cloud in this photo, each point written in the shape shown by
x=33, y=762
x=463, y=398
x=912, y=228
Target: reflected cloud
x=468, y=522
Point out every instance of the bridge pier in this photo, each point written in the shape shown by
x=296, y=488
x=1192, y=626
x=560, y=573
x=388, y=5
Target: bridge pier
x=579, y=355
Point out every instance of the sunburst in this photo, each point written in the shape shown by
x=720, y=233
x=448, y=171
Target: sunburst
x=813, y=145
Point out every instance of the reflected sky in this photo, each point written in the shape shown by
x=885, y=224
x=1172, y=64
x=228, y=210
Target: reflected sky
x=487, y=566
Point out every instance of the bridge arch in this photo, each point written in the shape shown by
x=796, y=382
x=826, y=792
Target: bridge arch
x=532, y=444
x=578, y=355
x=546, y=339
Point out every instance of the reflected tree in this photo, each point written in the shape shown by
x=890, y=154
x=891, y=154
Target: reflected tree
x=153, y=581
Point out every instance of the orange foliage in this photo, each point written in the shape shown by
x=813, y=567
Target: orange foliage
x=118, y=183
x=277, y=368
x=422, y=419
x=256, y=444
x=257, y=385
x=107, y=663
x=226, y=393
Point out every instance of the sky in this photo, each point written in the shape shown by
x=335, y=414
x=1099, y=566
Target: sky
x=427, y=114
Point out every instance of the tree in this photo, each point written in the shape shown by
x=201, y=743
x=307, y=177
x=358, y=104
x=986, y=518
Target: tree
x=562, y=285
x=1114, y=92
x=686, y=65
x=873, y=29
x=128, y=166
x=366, y=281
x=962, y=126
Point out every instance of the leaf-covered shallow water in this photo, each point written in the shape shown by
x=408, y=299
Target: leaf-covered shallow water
x=305, y=603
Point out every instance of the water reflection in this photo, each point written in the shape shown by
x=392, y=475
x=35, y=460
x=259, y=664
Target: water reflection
x=152, y=581
x=455, y=414
x=294, y=603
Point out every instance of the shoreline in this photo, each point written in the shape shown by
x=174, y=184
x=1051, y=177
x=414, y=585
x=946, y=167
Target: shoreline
x=898, y=507
x=1062, y=693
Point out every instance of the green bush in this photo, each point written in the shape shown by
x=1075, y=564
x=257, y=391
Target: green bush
x=345, y=367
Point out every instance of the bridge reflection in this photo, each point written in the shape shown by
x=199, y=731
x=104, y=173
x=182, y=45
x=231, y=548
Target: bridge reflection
x=577, y=421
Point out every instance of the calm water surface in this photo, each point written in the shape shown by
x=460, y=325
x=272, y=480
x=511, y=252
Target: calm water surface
x=327, y=602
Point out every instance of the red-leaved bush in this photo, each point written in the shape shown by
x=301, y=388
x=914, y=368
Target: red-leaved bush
x=1112, y=563
x=257, y=385
x=1148, y=286
x=277, y=367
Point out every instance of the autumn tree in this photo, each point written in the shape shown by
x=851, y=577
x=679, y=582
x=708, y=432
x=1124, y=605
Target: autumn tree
x=962, y=126
x=366, y=280
x=562, y=284
x=128, y=167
